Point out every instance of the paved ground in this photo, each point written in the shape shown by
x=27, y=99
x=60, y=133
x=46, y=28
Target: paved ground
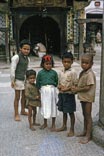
x=16, y=139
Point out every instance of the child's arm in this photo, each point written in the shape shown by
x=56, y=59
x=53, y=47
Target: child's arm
x=38, y=81
x=80, y=89
x=85, y=88
x=28, y=66
x=65, y=89
x=14, y=62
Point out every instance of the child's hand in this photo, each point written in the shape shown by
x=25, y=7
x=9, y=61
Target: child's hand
x=12, y=84
x=74, y=89
x=37, y=97
x=60, y=87
x=64, y=89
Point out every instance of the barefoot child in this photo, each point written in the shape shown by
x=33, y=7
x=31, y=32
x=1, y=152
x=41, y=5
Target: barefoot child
x=67, y=103
x=19, y=65
x=47, y=80
x=32, y=98
x=86, y=94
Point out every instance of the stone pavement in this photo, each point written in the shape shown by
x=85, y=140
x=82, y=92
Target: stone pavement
x=16, y=139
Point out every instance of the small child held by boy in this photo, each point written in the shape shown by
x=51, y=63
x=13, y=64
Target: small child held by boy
x=86, y=94
x=47, y=81
x=32, y=98
x=67, y=103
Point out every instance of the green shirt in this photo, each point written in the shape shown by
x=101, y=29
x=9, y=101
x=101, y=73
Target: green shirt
x=47, y=77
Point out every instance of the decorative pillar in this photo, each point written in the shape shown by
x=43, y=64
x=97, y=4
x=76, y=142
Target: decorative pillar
x=81, y=26
x=7, y=46
x=7, y=38
x=80, y=39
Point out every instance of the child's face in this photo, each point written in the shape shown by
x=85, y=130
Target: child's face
x=31, y=79
x=67, y=62
x=25, y=49
x=86, y=63
x=48, y=65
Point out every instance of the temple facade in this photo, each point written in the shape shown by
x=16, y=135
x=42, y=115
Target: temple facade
x=50, y=21
x=58, y=24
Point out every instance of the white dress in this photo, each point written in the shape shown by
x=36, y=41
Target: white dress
x=49, y=98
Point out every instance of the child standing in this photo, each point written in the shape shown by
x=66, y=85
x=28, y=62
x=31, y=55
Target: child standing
x=67, y=103
x=47, y=80
x=86, y=94
x=19, y=65
x=32, y=98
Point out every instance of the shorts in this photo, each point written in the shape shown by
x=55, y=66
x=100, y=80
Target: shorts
x=19, y=85
x=66, y=103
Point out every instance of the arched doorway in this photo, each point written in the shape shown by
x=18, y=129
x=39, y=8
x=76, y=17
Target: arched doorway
x=44, y=29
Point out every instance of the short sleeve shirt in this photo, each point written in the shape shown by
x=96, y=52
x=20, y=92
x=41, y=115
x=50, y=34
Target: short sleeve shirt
x=67, y=78
x=85, y=79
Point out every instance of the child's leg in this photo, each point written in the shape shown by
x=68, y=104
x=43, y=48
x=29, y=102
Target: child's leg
x=23, y=103
x=30, y=117
x=88, y=118
x=34, y=117
x=72, y=122
x=53, y=124
x=64, y=126
x=44, y=125
x=83, y=105
x=16, y=103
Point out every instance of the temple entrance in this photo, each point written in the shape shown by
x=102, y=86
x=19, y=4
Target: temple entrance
x=44, y=30
x=93, y=27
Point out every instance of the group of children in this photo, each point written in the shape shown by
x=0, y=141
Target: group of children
x=51, y=91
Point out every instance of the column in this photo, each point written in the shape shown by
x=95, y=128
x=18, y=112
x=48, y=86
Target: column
x=7, y=46
x=80, y=39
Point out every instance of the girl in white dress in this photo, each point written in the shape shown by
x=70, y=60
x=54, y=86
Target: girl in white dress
x=47, y=81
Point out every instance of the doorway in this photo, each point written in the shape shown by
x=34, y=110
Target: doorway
x=44, y=30
x=93, y=27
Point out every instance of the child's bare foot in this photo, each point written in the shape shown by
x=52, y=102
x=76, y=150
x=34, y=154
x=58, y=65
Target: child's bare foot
x=84, y=140
x=53, y=129
x=32, y=128
x=43, y=126
x=36, y=124
x=17, y=118
x=81, y=135
x=70, y=134
x=63, y=128
x=24, y=113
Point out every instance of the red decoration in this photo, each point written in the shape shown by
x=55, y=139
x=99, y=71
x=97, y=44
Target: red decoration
x=47, y=58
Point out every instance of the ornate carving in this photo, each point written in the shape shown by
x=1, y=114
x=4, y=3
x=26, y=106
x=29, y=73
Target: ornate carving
x=27, y=3
x=60, y=1
x=39, y=1
x=48, y=1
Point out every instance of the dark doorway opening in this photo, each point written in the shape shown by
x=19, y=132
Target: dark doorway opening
x=93, y=27
x=42, y=29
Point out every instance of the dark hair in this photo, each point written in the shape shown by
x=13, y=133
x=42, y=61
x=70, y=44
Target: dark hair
x=67, y=55
x=23, y=42
x=30, y=72
x=46, y=58
x=87, y=55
